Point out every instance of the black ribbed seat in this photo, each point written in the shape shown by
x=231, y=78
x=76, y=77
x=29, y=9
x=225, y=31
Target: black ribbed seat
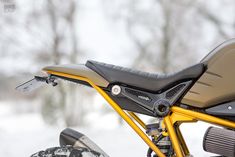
x=143, y=80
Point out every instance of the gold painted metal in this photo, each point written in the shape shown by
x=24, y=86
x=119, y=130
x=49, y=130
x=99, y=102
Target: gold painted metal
x=173, y=136
x=117, y=109
x=137, y=119
x=202, y=117
x=171, y=122
x=182, y=141
x=176, y=120
x=180, y=118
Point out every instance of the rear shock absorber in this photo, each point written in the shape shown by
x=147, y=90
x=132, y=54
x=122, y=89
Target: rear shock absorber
x=162, y=142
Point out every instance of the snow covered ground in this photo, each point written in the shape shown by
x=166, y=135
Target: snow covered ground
x=24, y=134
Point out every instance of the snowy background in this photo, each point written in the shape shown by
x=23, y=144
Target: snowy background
x=155, y=36
x=23, y=134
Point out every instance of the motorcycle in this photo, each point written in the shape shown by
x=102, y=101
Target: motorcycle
x=202, y=92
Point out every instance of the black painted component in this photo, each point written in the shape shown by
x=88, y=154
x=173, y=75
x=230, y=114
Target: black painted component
x=78, y=140
x=143, y=80
x=174, y=91
x=139, y=94
x=69, y=137
x=129, y=105
x=145, y=99
x=143, y=102
x=225, y=109
x=231, y=118
x=158, y=104
x=36, y=82
x=161, y=108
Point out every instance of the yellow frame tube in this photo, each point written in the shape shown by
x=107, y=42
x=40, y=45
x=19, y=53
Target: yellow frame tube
x=137, y=119
x=178, y=115
x=116, y=107
x=203, y=117
x=182, y=141
x=174, y=139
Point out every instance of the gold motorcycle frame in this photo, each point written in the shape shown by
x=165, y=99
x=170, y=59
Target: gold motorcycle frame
x=171, y=122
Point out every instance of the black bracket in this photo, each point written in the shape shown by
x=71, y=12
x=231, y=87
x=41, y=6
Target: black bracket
x=36, y=82
x=157, y=104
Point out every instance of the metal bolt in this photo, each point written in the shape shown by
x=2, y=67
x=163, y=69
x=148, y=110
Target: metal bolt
x=230, y=107
x=116, y=90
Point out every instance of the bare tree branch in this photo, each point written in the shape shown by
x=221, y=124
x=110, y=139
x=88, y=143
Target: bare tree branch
x=213, y=19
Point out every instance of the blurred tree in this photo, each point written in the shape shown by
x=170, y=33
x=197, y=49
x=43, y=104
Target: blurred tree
x=165, y=36
x=49, y=36
x=224, y=26
x=160, y=31
x=62, y=24
x=163, y=32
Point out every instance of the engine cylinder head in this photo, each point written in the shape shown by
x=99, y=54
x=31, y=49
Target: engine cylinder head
x=219, y=141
